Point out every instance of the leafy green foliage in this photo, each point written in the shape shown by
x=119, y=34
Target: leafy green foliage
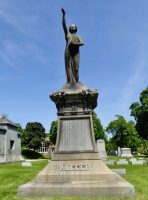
x=140, y=112
x=98, y=128
x=53, y=132
x=23, y=136
x=35, y=135
x=124, y=133
x=143, y=149
x=30, y=154
x=109, y=145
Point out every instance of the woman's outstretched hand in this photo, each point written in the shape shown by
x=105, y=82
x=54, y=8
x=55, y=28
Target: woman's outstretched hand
x=63, y=11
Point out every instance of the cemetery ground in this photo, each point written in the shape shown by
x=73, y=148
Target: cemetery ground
x=14, y=175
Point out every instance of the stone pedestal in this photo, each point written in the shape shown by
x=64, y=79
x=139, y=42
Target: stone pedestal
x=76, y=168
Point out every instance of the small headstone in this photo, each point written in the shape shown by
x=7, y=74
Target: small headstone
x=109, y=162
x=112, y=160
x=122, y=162
x=119, y=171
x=101, y=149
x=26, y=164
x=144, y=161
x=132, y=159
x=137, y=162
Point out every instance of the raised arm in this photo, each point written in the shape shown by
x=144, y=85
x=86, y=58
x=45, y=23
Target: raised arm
x=64, y=22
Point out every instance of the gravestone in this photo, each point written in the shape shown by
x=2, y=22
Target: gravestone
x=137, y=162
x=101, y=149
x=119, y=171
x=144, y=161
x=132, y=159
x=126, y=152
x=76, y=169
x=122, y=162
x=26, y=164
x=122, y=159
x=109, y=162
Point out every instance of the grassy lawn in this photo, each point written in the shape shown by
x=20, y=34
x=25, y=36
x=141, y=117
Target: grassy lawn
x=14, y=175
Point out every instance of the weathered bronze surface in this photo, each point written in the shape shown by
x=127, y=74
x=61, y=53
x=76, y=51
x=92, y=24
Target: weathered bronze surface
x=72, y=55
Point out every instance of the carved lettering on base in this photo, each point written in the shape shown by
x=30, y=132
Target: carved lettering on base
x=76, y=167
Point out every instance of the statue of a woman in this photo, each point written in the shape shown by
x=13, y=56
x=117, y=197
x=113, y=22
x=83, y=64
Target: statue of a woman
x=72, y=56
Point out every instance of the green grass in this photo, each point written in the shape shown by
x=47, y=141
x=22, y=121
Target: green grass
x=14, y=175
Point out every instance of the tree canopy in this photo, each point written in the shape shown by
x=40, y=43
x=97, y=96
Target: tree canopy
x=35, y=135
x=124, y=133
x=140, y=112
x=23, y=136
x=53, y=132
x=99, y=132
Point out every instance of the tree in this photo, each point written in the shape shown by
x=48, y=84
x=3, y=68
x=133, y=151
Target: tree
x=109, y=145
x=143, y=149
x=98, y=128
x=23, y=136
x=35, y=135
x=140, y=112
x=53, y=132
x=124, y=133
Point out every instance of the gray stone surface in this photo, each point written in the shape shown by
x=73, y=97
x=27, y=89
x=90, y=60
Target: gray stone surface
x=126, y=152
x=119, y=171
x=75, y=135
x=144, y=161
x=137, y=162
x=26, y=164
x=132, y=159
x=122, y=162
x=116, y=188
x=101, y=148
x=69, y=131
x=72, y=178
x=10, y=144
x=109, y=162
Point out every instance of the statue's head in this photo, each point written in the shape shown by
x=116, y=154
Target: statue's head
x=73, y=28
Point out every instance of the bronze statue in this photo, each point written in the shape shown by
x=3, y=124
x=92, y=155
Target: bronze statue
x=72, y=55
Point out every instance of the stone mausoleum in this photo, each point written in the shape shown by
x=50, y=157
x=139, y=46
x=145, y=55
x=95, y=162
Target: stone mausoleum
x=10, y=142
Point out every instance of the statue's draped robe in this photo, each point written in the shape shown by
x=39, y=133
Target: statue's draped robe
x=72, y=59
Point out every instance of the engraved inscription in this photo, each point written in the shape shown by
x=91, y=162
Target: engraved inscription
x=76, y=167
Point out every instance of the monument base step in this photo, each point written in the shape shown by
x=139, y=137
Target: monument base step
x=116, y=188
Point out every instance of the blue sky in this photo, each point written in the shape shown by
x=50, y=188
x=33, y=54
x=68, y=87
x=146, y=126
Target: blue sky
x=114, y=58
